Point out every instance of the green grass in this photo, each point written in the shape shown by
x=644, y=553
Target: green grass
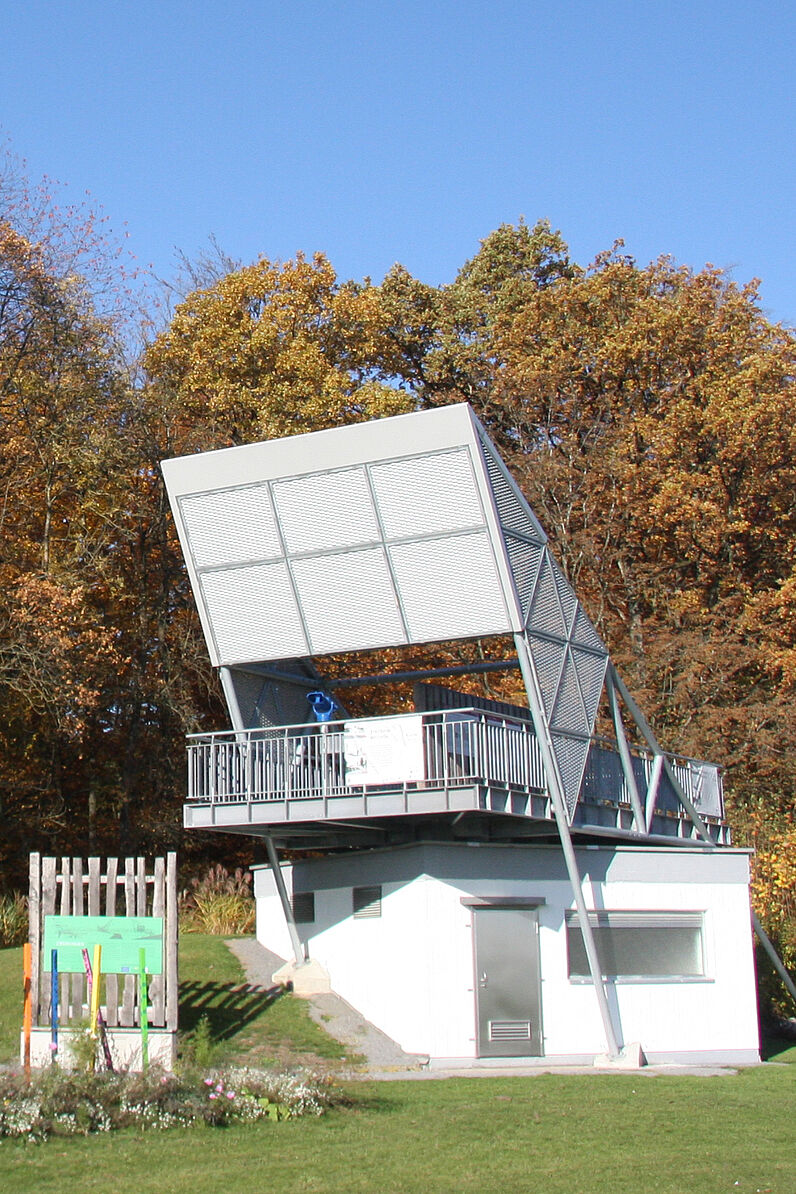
x=10, y=1002
x=245, y=1026
x=591, y=1134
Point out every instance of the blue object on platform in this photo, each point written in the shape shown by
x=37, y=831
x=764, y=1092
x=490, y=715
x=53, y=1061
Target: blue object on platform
x=323, y=706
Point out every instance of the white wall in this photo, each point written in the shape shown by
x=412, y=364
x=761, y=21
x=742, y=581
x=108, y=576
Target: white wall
x=271, y=927
x=411, y=971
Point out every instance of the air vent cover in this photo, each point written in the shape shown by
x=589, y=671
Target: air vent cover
x=509, y=1030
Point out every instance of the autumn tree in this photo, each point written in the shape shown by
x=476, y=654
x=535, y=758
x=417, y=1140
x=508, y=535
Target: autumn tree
x=95, y=640
x=275, y=349
x=56, y=389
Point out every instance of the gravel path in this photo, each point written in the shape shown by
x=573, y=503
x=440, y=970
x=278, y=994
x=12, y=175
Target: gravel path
x=382, y=1055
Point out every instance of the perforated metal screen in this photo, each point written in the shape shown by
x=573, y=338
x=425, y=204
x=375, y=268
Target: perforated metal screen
x=345, y=554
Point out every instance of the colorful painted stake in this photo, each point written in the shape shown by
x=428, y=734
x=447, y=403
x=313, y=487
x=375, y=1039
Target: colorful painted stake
x=54, y=1005
x=27, y=1008
x=94, y=1011
x=97, y=1020
x=90, y=981
x=143, y=998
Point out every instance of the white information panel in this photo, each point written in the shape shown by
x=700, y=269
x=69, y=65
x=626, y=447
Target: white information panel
x=388, y=750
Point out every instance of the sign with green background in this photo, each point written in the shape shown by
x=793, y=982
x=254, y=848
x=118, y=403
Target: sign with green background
x=121, y=938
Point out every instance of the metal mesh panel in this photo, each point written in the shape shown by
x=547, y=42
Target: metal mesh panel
x=584, y=632
x=427, y=494
x=547, y=658
x=326, y=510
x=347, y=601
x=524, y=560
x=429, y=697
x=571, y=756
x=513, y=513
x=449, y=588
x=545, y=611
x=603, y=773
x=263, y=701
x=569, y=601
x=591, y=673
x=231, y=526
x=568, y=712
x=248, y=690
x=253, y=613
x=710, y=801
x=303, y=903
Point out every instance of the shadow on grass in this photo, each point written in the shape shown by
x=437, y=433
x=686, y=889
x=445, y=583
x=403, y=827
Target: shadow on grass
x=778, y=1049
x=228, y=1009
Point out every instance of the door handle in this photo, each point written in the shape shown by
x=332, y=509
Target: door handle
x=483, y=980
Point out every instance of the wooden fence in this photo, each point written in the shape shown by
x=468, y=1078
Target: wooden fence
x=123, y=887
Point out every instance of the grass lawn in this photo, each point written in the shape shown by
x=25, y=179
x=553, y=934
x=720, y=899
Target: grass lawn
x=590, y=1134
x=10, y=1003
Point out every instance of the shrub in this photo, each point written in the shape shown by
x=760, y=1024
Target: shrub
x=220, y=903
x=67, y=1103
x=13, y=920
x=199, y=1048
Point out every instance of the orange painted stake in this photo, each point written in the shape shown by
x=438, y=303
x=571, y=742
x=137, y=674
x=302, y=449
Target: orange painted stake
x=27, y=1008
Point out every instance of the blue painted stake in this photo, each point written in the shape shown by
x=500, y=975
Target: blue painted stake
x=54, y=1005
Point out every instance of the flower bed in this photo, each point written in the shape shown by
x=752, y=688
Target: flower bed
x=62, y=1103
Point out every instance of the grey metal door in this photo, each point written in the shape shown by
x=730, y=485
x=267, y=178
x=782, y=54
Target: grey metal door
x=507, y=983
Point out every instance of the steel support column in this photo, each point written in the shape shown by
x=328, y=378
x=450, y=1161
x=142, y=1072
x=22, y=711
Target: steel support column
x=225, y=677
x=562, y=822
x=652, y=789
x=652, y=742
x=639, y=819
x=774, y=957
x=295, y=940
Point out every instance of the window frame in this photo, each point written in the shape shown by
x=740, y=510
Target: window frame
x=621, y=918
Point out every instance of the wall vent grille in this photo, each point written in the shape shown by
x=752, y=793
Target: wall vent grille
x=509, y=1030
x=366, y=902
x=303, y=907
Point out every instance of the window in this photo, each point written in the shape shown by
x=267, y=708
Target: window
x=639, y=945
x=366, y=902
x=304, y=907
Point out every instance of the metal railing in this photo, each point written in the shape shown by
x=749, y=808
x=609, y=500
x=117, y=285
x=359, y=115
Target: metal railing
x=446, y=749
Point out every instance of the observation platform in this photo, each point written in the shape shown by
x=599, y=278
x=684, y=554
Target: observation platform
x=463, y=774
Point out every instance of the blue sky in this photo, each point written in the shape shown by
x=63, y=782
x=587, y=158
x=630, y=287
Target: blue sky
x=382, y=132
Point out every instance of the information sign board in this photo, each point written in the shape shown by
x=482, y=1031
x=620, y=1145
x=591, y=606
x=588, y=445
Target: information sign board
x=121, y=938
